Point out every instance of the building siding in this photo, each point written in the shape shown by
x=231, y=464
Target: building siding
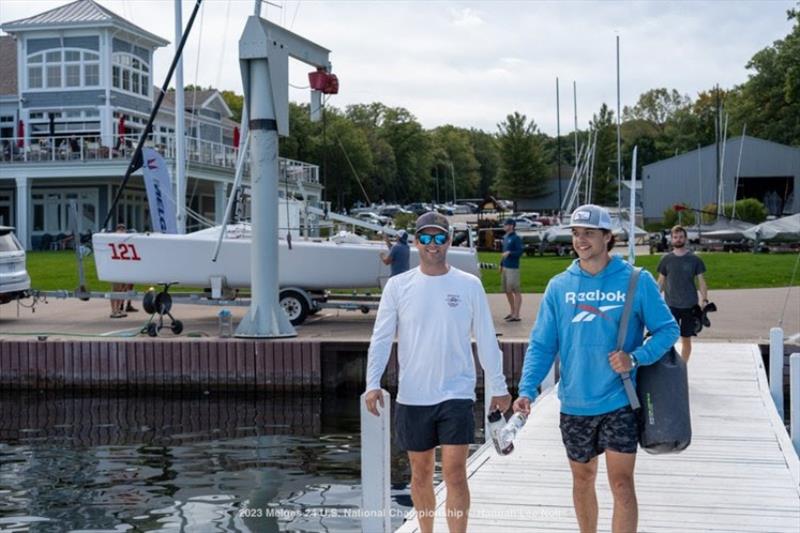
x=122, y=46
x=129, y=101
x=56, y=99
x=680, y=179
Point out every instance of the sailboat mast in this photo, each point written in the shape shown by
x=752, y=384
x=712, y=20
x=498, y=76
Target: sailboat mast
x=558, y=141
x=619, y=143
x=180, y=138
x=738, y=169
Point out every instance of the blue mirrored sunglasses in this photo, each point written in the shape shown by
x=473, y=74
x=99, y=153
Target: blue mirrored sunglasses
x=437, y=238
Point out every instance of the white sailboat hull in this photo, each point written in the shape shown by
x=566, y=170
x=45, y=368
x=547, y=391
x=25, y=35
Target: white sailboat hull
x=309, y=264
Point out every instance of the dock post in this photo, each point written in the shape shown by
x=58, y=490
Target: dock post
x=794, y=398
x=375, y=470
x=776, y=368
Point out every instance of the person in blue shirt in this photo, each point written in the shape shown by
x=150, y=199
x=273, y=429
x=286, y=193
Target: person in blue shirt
x=579, y=319
x=509, y=269
x=399, y=254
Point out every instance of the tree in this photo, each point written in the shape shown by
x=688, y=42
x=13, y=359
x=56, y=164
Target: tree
x=523, y=172
x=455, y=161
x=486, y=150
x=604, y=183
x=657, y=106
x=769, y=101
x=235, y=102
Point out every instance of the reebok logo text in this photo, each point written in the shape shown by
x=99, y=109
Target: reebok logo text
x=575, y=298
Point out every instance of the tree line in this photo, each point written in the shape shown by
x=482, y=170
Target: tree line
x=373, y=152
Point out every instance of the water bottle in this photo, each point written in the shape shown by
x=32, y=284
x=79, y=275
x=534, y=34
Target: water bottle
x=225, y=323
x=510, y=431
x=496, y=423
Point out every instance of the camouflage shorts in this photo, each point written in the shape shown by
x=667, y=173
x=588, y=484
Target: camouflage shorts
x=586, y=437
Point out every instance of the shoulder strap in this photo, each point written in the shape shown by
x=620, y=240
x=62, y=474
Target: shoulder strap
x=623, y=331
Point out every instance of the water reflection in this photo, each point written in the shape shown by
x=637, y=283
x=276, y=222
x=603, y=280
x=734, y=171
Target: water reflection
x=184, y=463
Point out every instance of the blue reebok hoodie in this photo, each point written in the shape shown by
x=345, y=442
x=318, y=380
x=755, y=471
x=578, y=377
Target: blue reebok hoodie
x=578, y=319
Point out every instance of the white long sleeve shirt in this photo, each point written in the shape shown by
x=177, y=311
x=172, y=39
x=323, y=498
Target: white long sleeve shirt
x=435, y=318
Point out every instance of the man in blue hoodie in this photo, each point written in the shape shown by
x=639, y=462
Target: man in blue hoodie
x=578, y=319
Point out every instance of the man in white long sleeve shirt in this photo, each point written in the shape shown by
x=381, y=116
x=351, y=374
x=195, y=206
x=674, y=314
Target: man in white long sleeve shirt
x=435, y=310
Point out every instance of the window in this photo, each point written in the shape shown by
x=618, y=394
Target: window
x=53, y=76
x=130, y=74
x=35, y=77
x=73, y=73
x=91, y=74
x=71, y=68
x=52, y=211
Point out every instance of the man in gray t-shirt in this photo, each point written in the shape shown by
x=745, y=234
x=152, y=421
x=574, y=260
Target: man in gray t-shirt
x=676, y=273
x=399, y=254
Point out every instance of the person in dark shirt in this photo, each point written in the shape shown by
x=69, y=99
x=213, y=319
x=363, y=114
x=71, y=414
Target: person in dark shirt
x=399, y=253
x=676, y=273
x=509, y=269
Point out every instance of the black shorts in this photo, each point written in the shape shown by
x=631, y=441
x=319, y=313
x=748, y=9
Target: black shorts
x=687, y=320
x=419, y=428
x=586, y=437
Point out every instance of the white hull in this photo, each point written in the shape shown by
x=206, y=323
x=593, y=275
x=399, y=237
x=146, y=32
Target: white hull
x=186, y=259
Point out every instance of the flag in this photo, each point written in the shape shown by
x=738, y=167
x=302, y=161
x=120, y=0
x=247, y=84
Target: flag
x=159, y=194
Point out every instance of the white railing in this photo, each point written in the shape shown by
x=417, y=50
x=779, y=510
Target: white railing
x=63, y=148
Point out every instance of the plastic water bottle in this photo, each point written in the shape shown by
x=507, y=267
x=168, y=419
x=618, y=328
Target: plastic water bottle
x=494, y=429
x=510, y=431
x=225, y=323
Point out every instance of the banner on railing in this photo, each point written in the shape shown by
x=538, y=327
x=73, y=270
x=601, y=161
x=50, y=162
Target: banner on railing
x=159, y=192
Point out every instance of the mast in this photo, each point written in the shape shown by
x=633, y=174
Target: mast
x=619, y=143
x=558, y=141
x=180, y=138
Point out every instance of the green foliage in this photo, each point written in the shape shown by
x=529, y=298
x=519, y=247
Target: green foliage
x=523, y=171
x=747, y=209
x=604, y=182
x=235, y=102
x=684, y=218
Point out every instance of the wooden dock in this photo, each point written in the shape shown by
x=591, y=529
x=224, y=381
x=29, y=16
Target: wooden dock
x=295, y=365
x=740, y=474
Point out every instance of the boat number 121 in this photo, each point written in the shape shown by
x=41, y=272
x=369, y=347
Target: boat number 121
x=124, y=252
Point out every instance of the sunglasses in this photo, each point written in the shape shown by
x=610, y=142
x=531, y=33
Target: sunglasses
x=437, y=238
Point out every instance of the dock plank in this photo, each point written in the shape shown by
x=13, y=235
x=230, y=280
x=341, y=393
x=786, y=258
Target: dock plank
x=740, y=473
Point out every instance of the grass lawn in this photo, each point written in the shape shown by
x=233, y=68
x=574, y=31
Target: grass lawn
x=57, y=270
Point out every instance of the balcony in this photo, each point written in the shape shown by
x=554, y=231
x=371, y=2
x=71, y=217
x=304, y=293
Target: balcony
x=79, y=149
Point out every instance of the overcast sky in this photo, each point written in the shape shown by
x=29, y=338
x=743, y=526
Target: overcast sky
x=472, y=63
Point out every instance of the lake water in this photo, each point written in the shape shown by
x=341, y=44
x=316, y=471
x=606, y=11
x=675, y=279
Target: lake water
x=201, y=462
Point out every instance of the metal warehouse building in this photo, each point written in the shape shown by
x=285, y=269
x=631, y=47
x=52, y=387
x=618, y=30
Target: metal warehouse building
x=770, y=172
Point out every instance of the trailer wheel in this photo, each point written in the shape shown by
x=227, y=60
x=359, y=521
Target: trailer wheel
x=295, y=306
x=177, y=327
x=152, y=329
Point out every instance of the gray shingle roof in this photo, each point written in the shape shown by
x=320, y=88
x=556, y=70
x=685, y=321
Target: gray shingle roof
x=8, y=65
x=77, y=12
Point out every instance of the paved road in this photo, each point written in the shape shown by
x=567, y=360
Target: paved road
x=744, y=316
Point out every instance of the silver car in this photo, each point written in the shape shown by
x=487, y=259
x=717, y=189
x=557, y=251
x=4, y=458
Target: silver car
x=14, y=279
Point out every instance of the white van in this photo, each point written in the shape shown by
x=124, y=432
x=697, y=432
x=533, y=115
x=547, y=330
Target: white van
x=14, y=279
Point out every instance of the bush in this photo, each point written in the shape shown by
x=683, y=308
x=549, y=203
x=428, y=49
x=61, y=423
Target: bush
x=748, y=209
x=684, y=218
x=405, y=221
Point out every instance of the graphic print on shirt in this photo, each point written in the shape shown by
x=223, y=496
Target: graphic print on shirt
x=453, y=300
x=584, y=302
x=589, y=312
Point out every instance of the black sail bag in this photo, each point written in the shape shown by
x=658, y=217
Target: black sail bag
x=661, y=398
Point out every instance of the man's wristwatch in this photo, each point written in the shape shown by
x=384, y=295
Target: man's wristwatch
x=634, y=361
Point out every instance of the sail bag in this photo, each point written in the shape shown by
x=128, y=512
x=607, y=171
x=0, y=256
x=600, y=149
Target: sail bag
x=661, y=398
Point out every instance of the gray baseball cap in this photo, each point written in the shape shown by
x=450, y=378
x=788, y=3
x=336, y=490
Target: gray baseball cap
x=432, y=219
x=590, y=216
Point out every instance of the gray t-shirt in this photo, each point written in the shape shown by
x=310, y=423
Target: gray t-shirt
x=400, y=258
x=680, y=271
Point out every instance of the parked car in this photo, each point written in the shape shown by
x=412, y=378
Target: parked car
x=419, y=208
x=392, y=211
x=14, y=279
x=372, y=218
x=526, y=223
x=445, y=209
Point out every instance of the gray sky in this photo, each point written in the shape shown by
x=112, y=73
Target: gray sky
x=472, y=63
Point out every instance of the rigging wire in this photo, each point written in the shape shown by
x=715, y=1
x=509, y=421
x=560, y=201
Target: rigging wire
x=296, y=9
x=224, y=41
